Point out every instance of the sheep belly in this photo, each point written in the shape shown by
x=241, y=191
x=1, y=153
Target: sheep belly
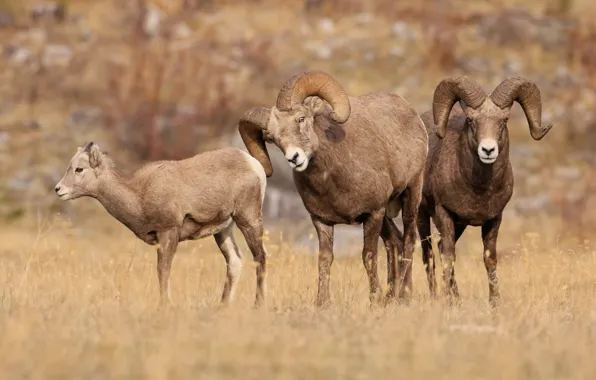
x=192, y=230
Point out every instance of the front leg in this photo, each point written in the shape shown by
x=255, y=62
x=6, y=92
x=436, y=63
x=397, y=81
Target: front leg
x=446, y=228
x=168, y=242
x=325, y=236
x=372, y=230
x=490, y=230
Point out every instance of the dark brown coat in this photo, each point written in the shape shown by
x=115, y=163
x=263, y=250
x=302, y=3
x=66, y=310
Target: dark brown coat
x=355, y=160
x=468, y=179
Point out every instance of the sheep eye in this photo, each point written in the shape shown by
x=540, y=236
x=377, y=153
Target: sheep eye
x=78, y=170
x=301, y=119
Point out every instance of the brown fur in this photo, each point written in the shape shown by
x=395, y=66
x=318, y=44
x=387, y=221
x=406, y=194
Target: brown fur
x=167, y=202
x=361, y=171
x=461, y=190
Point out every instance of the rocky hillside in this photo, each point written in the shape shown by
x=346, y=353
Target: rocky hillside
x=166, y=79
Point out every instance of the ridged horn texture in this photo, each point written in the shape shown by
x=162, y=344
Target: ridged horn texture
x=527, y=94
x=318, y=83
x=251, y=127
x=451, y=90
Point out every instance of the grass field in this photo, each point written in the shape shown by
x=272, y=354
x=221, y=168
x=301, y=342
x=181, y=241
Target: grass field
x=81, y=303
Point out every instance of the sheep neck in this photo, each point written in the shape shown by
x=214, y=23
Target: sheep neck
x=479, y=176
x=120, y=200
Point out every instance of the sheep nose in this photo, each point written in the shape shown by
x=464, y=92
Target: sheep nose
x=488, y=151
x=57, y=189
x=294, y=158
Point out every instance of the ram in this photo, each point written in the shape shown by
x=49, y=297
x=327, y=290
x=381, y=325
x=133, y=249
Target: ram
x=468, y=178
x=355, y=160
x=167, y=202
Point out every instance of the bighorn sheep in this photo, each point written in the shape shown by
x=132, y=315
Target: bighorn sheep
x=356, y=160
x=167, y=202
x=468, y=179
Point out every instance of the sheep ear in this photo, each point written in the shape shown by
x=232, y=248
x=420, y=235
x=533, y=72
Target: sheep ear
x=94, y=154
x=463, y=106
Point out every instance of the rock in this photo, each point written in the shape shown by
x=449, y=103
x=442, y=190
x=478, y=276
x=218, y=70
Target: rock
x=4, y=138
x=153, y=18
x=32, y=125
x=512, y=68
x=397, y=52
x=32, y=37
x=364, y=18
x=20, y=183
x=17, y=55
x=53, y=11
x=84, y=117
x=568, y=173
x=319, y=50
x=539, y=203
x=518, y=27
x=403, y=30
x=181, y=31
x=327, y=25
x=475, y=65
x=6, y=19
x=56, y=55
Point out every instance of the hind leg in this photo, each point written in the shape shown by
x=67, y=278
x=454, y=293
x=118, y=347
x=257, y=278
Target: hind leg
x=229, y=248
x=428, y=255
x=410, y=200
x=252, y=229
x=372, y=230
x=393, y=241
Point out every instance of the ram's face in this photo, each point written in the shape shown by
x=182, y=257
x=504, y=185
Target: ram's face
x=293, y=132
x=487, y=130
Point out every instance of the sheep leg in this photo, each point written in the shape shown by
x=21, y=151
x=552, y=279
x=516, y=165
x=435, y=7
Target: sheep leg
x=253, y=234
x=428, y=255
x=168, y=242
x=372, y=231
x=393, y=241
x=446, y=227
x=490, y=231
x=226, y=241
x=325, y=236
x=410, y=200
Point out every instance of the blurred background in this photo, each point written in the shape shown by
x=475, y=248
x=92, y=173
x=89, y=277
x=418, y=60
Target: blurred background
x=166, y=79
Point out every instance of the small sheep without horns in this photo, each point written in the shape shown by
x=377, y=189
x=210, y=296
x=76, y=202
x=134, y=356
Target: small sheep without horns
x=167, y=202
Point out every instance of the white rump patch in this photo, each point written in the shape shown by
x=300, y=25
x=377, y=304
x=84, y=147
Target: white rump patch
x=256, y=166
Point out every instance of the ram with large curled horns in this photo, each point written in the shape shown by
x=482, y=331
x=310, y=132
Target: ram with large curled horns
x=468, y=179
x=355, y=160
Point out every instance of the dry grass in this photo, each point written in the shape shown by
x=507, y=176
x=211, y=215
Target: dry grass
x=81, y=304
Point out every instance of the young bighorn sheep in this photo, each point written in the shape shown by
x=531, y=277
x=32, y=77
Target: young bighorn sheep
x=356, y=160
x=167, y=202
x=468, y=179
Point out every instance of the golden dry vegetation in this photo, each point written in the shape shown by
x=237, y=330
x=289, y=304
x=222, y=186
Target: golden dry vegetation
x=79, y=301
x=79, y=294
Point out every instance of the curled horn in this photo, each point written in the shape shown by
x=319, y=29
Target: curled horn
x=451, y=90
x=312, y=83
x=251, y=127
x=527, y=94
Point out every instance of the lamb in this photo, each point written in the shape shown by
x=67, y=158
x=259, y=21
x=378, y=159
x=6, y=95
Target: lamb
x=355, y=160
x=167, y=202
x=468, y=179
